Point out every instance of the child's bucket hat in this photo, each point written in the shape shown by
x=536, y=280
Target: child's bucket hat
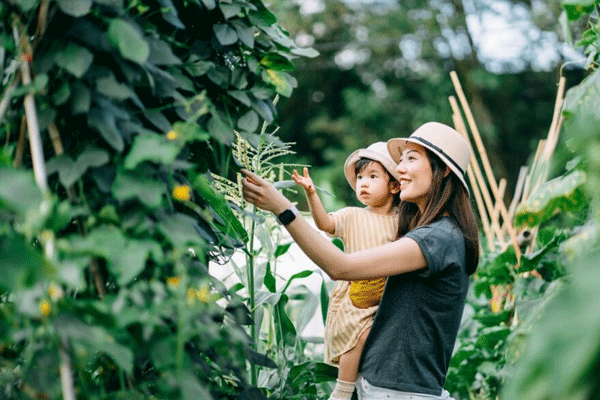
x=442, y=140
x=378, y=151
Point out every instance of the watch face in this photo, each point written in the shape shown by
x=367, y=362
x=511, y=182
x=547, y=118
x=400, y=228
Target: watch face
x=286, y=217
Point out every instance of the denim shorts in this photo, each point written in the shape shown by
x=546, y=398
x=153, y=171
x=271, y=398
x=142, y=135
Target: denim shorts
x=366, y=391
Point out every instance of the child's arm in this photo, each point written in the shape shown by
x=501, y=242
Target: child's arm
x=323, y=220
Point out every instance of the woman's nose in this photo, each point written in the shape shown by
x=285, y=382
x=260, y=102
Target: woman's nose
x=400, y=168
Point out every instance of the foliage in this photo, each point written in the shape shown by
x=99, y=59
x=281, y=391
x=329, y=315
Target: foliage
x=531, y=329
x=105, y=268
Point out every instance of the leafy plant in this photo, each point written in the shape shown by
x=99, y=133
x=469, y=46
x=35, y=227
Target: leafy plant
x=108, y=224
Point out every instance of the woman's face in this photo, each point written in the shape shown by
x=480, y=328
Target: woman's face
x=415, y=173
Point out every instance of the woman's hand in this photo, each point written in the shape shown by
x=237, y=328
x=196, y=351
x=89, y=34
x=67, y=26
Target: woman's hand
x=262, y=194
x=304, y=181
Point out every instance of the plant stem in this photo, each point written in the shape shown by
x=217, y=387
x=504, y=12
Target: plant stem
x=250, y=270
x=66, y=373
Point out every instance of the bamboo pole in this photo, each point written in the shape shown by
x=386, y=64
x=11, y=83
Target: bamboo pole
x=35, y=141
x=476, y=170
x=495, y=216
x=484, y=159
x=476, y=192
x=518, y=193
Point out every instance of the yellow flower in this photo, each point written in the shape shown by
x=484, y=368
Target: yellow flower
x=173, y=281
x=172, y=135
x=203, y=294
x=56, y=293
x=182, y=192
x=45, y=307
x=191, y=296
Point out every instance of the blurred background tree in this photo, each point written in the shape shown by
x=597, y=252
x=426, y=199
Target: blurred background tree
x=383, y=71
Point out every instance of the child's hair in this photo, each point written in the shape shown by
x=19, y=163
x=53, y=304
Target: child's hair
x=363, y=162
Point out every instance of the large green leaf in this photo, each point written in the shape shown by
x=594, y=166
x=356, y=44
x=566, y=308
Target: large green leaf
x=70, y=171
x=225, y=34
x=277, y=62
x=105, y=123
x=74, y=58
x=76, y=8
x=217, y=202
x=21, y=263
x=128, y=39
x=129, y=185
x=560, y=194
x=575, y=9
x=110, y=87
x=154, y=148
x=18, y=190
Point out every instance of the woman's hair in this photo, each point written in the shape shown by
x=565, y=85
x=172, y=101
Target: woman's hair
x=363, y=162
x=447, y=196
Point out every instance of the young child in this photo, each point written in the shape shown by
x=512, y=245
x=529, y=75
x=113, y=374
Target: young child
x=352, y=305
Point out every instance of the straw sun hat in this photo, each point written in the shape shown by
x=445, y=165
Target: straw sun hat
x=442, y=140
x=377, y=152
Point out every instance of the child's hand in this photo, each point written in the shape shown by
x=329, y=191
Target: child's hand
x=304, y=181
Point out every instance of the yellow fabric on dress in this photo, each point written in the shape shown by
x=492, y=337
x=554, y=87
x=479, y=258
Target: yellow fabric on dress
x=359, y=229
x=367, y=293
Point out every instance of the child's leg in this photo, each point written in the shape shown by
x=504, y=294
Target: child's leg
x=348, y=370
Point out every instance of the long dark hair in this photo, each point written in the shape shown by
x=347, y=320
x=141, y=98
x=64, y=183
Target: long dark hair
x=447, y=196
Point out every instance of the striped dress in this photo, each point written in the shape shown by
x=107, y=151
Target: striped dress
x=359, y=229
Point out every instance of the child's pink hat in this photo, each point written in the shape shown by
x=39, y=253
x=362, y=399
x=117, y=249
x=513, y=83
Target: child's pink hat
x=378, y=151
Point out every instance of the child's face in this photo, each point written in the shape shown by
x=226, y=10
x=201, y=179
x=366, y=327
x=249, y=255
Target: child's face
x=373, y=187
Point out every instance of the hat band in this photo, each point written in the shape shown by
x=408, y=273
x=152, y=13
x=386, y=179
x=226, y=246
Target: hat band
x=436, y=148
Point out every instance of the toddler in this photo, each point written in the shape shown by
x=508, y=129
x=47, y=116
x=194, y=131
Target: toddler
x=352, y=305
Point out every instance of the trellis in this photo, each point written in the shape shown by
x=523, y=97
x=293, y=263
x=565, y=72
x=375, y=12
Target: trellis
x=496, y=216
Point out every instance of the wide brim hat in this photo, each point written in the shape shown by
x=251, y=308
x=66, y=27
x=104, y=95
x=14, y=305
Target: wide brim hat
x=442, y=140
x=377, y=152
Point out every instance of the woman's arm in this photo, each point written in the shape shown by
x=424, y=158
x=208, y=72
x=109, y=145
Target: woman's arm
x=403, y=255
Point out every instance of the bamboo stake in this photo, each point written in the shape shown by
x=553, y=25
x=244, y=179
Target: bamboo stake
x=530, y=183
x=554, y=130
x=518, y=193
x=6, y=98
x=20, y=144
x=495, y=216
x=35, y=141
x=66, y=373
x=476, y=193
x=484, y=159
x=476, y=169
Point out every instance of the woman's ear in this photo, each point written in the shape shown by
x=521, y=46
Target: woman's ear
x=447, y=171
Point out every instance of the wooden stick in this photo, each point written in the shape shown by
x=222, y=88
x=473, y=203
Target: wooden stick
x=518, y=193
x=56, y=140
x=459, y=125
x=484, y=159
x=476, y=169
x=554, y=130
x=495, y=216
x=35, y=141
x=7, y=97
x=21, y=144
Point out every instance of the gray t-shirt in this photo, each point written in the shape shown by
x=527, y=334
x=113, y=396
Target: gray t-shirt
x=413, y=334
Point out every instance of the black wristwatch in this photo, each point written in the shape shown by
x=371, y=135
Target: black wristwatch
x=287, y=216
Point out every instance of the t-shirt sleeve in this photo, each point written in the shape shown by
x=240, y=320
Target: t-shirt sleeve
x=340, y=219
x=442, y=244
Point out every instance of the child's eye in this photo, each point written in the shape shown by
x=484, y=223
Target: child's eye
x=373, y=176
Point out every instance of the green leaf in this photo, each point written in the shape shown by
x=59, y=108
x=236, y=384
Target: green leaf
x=284, y=328
x=22, y=264
x=220, y=131
x=244, y=32
x=150, y=192
x=324, y=301
x=282, y=249
x=161, y=53
x=18, y=190
x=154, y=148
x=110, y=87
x=575, y=9
x=191, y=389
x=558, y=195
x=269, y=281
x=77, y=8
x=216, y=201
x=128, y=39
x=248, y=122
x=105, y=123
x=179, y=230
x=305, y=52
x=73, y=58
x=299, y=275
x=277, y=62
x=81, y=98
x=225, y=34
x=230, y=10
x=70, y=171
x=284, y=83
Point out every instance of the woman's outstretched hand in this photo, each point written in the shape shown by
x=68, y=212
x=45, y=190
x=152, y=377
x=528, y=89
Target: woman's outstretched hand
x=262, y=194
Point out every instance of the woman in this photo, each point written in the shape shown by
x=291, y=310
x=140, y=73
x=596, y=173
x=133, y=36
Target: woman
x=408, y=350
